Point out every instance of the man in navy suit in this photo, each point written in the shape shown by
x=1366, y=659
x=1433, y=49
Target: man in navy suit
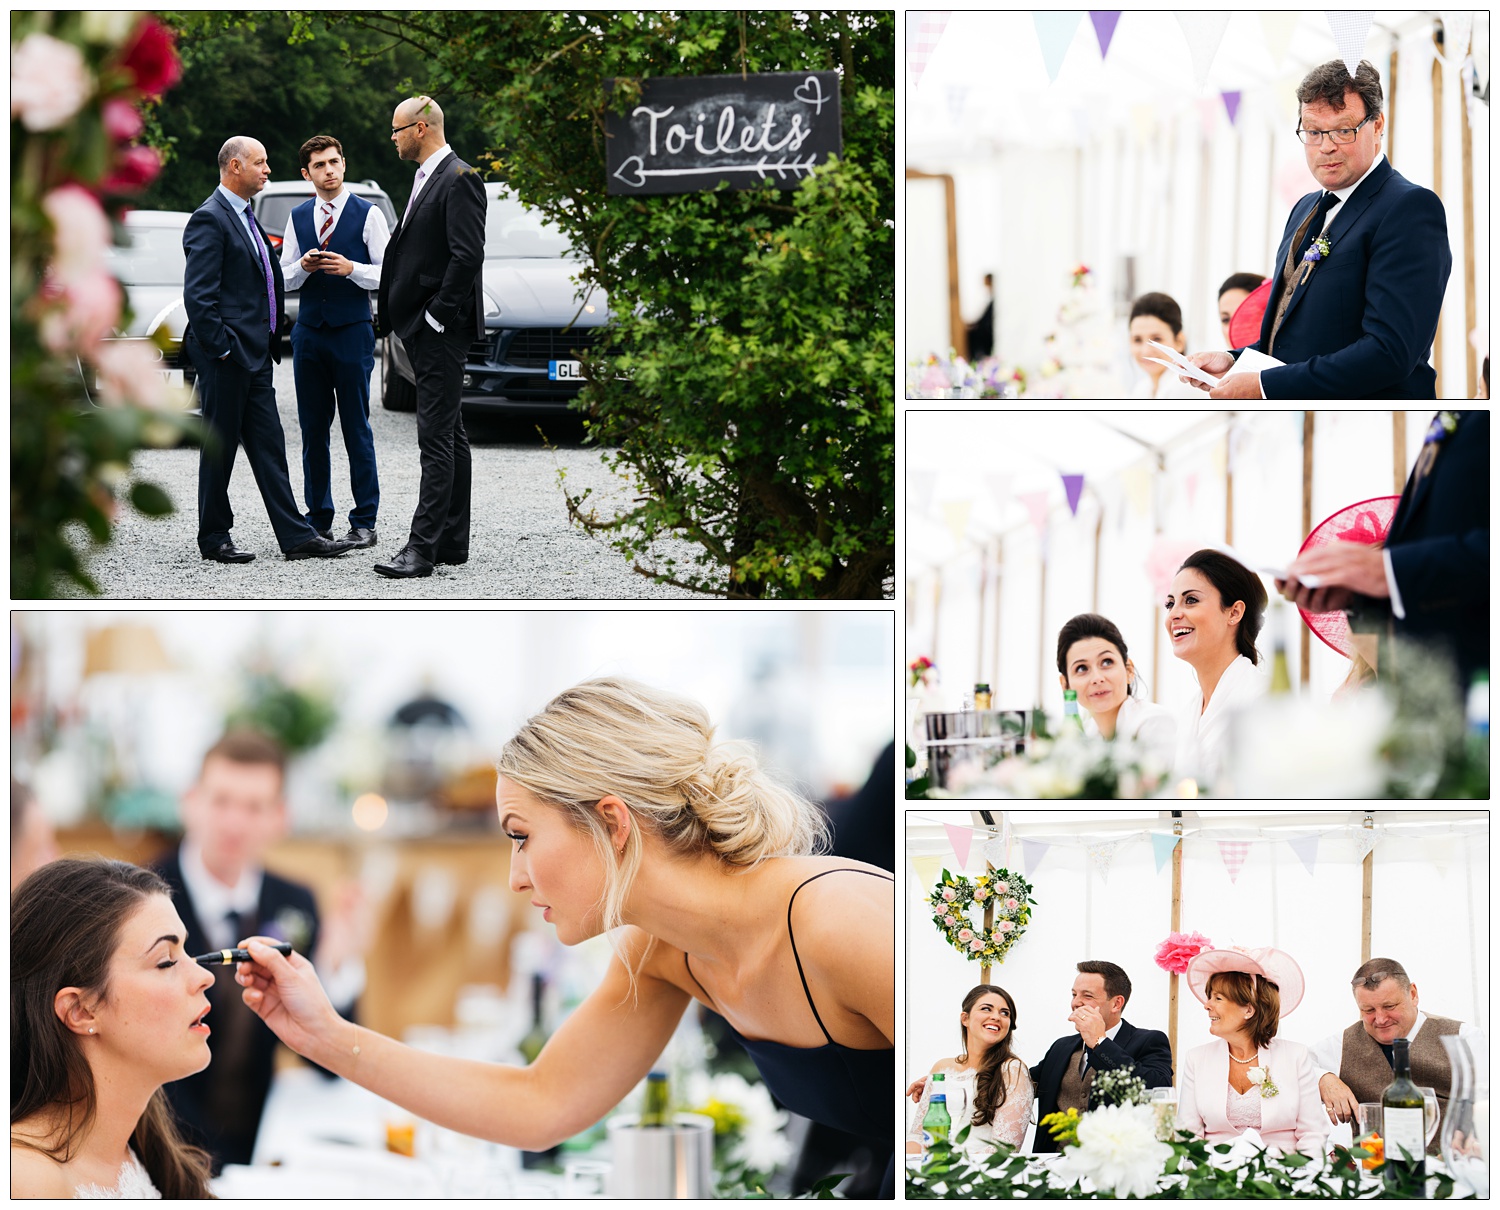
x=1430, y=583
x=1102, y=1040
x=232, y=291
x=332, y=250
x=224, y=894
x=1362, y=266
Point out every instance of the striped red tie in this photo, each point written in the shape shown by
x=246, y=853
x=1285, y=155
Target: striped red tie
x=323, y=236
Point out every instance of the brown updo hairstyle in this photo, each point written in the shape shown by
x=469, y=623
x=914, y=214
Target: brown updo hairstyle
x=65, y=922
x=989, y=1084
x=1234, y=582
x=1090, y=626
x=1253, y=991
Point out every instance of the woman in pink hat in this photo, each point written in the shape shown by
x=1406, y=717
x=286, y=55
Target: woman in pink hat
x=1247, y=1078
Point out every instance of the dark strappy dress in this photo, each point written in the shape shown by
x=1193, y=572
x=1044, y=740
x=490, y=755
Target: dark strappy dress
x=836, y=1085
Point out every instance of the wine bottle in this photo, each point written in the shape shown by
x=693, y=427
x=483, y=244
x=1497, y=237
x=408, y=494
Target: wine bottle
x=1281, y=679
x=536, y=1037
x=982, y=697
x=656, y=1109
x=1405, y=1128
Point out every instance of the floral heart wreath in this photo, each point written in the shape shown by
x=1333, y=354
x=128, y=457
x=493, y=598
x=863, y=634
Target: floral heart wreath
x=1009, y=895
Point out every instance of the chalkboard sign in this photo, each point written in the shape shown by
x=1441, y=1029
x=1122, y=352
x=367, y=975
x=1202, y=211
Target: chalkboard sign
x=692, y=133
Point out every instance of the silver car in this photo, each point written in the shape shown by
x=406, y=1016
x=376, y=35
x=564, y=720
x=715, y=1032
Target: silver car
x=537, y=320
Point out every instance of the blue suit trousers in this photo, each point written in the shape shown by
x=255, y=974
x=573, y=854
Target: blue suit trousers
x=331, y=367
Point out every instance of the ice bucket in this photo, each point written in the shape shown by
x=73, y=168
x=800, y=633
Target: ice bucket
x=675, y=1161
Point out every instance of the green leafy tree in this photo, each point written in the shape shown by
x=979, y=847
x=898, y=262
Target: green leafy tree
x=748, y=393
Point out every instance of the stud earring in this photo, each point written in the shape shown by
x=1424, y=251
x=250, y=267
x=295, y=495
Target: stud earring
x=91, y=1029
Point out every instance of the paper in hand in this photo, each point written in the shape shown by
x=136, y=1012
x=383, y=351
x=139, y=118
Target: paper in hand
x=1181, y=364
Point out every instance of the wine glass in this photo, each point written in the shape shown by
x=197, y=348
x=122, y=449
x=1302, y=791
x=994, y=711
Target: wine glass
x=1431, y=1116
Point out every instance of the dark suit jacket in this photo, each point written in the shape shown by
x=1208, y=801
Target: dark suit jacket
x=1440, y=551
x=224, y=288
x=189, y=1096
x=436, y=252
x=1362, y=325
x=1147, y=1049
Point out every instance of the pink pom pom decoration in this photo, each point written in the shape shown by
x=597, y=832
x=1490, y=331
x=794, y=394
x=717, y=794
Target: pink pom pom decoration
x=1179, y=949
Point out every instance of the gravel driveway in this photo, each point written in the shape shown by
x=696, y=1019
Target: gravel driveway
x=521, y=546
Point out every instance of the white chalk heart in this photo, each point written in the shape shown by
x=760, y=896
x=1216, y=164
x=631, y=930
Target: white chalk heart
x=624, y=171
x=815, y=98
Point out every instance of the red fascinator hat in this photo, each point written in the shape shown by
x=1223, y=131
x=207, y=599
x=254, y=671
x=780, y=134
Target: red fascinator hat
x=1244, y=324
x=1367, y=522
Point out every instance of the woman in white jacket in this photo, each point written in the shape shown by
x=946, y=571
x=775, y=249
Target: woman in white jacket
x=1247, y=1078
x=1093, y=662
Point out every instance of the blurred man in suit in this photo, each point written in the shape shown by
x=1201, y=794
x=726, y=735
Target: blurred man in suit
x=431, y=297
x=232, y=292
x=1430, y=582
x=231, y=816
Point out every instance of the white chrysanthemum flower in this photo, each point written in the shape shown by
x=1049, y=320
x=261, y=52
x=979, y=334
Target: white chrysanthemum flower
x=1117, y=1150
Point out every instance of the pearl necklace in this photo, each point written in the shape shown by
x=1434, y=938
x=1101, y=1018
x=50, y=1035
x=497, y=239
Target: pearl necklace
x=1251, y=1059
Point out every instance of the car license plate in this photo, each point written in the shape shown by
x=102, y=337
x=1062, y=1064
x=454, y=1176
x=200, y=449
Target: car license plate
x=565, y=371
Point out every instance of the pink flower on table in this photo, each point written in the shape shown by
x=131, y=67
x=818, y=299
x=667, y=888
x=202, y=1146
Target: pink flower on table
x=949, y=894
x=81, y=232
x=152, y=58
x=135, y=168
x=89, y=308
x=965, y=934
x=1179, y=949
x=1011, y=904
x=49, y=81
x=121, y=120
x=1005, y=926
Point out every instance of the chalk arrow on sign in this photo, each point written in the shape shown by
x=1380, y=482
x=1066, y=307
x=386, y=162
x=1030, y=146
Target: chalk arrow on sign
x=633, y=172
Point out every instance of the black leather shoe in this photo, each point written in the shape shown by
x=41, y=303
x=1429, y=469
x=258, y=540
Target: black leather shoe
x=318, y=548
x=325, y=533
x=406, y=565
x=453, y=557
x=227, y=553
x=358, y=539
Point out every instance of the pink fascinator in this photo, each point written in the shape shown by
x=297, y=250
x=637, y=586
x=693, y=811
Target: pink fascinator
x=1265, y=963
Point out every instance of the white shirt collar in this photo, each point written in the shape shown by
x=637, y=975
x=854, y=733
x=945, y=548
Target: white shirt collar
x=1343, y=194
x=212, y=900
x=1114, y=1029
x=432, y=161
x=337, y=203
x=1417, y=1025
x=234, y=199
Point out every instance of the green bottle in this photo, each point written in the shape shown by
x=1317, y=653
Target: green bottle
x=1072, y=720
x=1405, y=1127
x=656, y=1110
x=936, y=1127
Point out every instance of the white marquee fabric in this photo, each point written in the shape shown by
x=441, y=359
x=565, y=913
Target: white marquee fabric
x=1129, y=156
x=974, y=556
x=1430, y=912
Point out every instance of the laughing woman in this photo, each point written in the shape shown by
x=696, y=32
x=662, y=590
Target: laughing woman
x=104, y=1010
x=1093, y=662
x=626, y=816
x=988, y=1087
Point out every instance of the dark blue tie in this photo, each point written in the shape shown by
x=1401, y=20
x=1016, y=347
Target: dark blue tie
x=1315, y=228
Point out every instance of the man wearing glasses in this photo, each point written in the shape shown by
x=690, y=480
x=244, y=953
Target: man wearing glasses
x=1362, y=265
x=430, y=296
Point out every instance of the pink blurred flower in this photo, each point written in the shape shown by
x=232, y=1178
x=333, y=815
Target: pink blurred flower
x=981, y=895
x=153, y=58
x=1011, y=904
x=949, y=894
x=49, y=81
x=121, y=121
x=1002, y=888
x=1179, y=949
x=129, y=373
x=976, y=945
x=81, y=230
x=135, y=168
x=965, y=934
x=1005, y=926
x=84, y=311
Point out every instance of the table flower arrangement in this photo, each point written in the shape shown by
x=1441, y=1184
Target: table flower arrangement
x=1069, y=766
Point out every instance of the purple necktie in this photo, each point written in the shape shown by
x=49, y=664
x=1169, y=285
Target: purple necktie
x=265, y=264
x=411, y=200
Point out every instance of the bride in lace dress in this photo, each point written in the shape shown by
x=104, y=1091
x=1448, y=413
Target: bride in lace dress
x=104, y=1009
x=988, y=1088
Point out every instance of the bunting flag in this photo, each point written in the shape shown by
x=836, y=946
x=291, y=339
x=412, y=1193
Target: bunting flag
x=920, y=486
x=1234, y=853
x=1136, y=480
x=1365, y=840
x=1102, y=854
x=1278, y=27
x=1306, y=848
x=1190, y=481
x=1350, y=26
x=1073, y=485
x=1208, y=117
x=998, y=485
x=994, y=851
x=1458, y=28
x=1231, y=104
x=1032, y=852
x=924, y=30
x=956, y=515
x=960, y=839
x=1055, y=30
x=927, y=869
x=1162, y=844
x=1036, y=506
x=1203, y=31
x=1105, y=20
